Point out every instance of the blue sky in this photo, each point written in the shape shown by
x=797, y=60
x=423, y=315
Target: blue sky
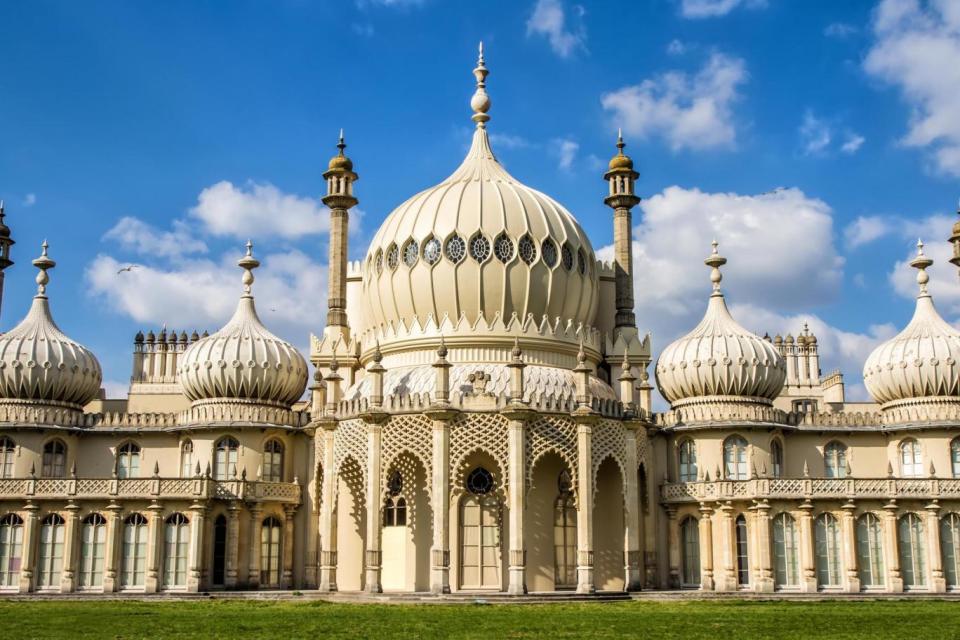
x=814, y=139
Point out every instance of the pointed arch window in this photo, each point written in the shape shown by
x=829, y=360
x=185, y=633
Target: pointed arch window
x=735, y=458
x=743, y=555
x=785, y=557
x=50, y=556
x=54, y=459
x=912, y=550
x=955, y=457
x=225, y=458
x=835, y=460
x=176, y=544
x=395, y=508
x=688, y=461
x=7, y=453
x=93, y=545
x=950, y=549
x=565, y=533
x=870, y=551
x=827, y=543
x=186, y=459
x=690, y=545
x=270, y=535
x=11, y=549
x=776, y=458
x=911, y=460
x=128, y=460
x=273, y=461
x=133, y=565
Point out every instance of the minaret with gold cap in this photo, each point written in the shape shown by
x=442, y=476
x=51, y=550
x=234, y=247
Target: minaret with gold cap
x=622, y=200
x=6, y=241
x=340, y=178
x=954, y=240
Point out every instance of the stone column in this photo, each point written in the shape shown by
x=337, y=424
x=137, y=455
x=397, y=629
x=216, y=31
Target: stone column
x=286, y=580
x=585, y=507
x=726, y=539
x=114, y=546
x=848, y=530
x=631, y=550
x=808, y=574
x=29, y=554
x=706, y=548
x=328, y=515
x=152, y=582
x=232, y=561
x=373, y=495
x=516, y=496
x=311, y=519
x=673, y=547
x=891, y=558
x=938, y=583
x=68, y=575
x=650, y=537
x=440, y=549
x=197, y=541
x=256, y=528
x=761, y=552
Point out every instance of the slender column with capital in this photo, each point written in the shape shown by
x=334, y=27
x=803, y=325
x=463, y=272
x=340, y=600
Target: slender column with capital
x=340, y=178
x=440, y=549
x=890, y=556
x=706, y=548
x=68, y=575
x=29, y=553
x=764, y=571
x=517, y=498
x=673, y=550
x=373, y=554
x=197, y=539
x=585, y=507
x=114, y=544
x=808, y=577
x=631, y=552
x=726, y=539
x=286, y=581
x=328, y=515
x=938, y=583
x=152, y=582
x=622, y=199
x=650, y=537
x=256, y=529
x=848, y=529
x=232, y=561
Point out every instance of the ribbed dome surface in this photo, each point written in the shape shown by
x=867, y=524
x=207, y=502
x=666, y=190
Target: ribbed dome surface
x=243, y=361
x=39, y=363
x=720, y=358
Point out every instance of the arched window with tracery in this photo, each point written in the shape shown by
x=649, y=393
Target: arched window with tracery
x=186, y=459
x=225, y=458
x=270, y=534
x=50, y=556
x=133, y=564
x=93, y=545
x=395, y=506
x=827, y=543
x=786, y=561
x=776, y=458
x=176, y=541
x=913, y=551
x=835, y=460
x=688, y=461
x=950, y=549
x=870, y=551
x=911, y=459
x=128, y=460
x=54, y=459
x=11, y=549
x=7, y=453
x=565, y=534
x=690, y=546
x=735, y=458
x=273, y=461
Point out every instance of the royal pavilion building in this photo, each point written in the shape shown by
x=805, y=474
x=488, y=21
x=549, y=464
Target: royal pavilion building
x=477, y=416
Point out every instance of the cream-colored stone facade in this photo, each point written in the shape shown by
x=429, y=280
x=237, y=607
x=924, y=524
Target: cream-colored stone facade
x=479, y=419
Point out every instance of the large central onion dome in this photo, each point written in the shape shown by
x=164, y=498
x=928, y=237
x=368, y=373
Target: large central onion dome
x=243, y=361
x=920, y=365
x=480, y=243
x=720, y=361
x=39, y=365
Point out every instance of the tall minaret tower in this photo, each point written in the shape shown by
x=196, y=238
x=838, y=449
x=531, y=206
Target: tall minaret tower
x=5, y=243
x=622, y=199
x=954, y=240
x=340, y=178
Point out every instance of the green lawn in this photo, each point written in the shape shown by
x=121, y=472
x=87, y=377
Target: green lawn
x=716, y=620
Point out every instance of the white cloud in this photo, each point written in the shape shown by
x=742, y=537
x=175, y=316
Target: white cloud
x=697, y=9
x=692, y=112
x=866, y=229
x=676, y=47
x=258, y=210
x=135, y=235
x=839, y=30
x=549, y=19
x=815, y=134
x=30, y=199
x=913, y=49
x=944, y=283
x=852, y=143
x=509, y=141
x=566, y=152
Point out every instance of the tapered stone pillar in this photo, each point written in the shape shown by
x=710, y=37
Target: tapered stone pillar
x=328, y=516
x=516, y=496
x=673, y=548
x=706, y=548
x=938, y=583
x=808, y=574
x=848, y=530
x=763, y=575
x=440, y=548
x=373, y=495
x=631, y=552
x=585, y=582
x=253, y=548
x=197, y=542
x=68, y=574
x=286, y=581
x=726, y=580
x=152, y=584
x=113, y=550
x=891, y=558
x=232, y=561
x=29, y=554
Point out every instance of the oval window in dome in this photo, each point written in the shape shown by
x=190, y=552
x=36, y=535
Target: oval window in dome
x=581, y=262
x=479, y=248
x=411, y=251
x=566, y=254
x=527, y=250
x=456, y=249
x=431, y=251
x=393, y=256
x=378, y=261
x=503, y=248
x=549, y=251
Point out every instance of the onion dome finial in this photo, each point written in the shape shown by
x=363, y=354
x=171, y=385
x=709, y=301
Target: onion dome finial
x=620, y=161
x=480, y=102
x=920, y=263
x=248, y=263
x=340, y=162
x=44, y=264
x=715, y=261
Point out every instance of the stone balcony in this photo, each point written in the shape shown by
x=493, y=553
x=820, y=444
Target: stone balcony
x=811, y=488
x=152, y=488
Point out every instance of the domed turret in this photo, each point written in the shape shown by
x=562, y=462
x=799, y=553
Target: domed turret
x=243, y=362
x=39, y=364
x=720, y=361
x=920, y=366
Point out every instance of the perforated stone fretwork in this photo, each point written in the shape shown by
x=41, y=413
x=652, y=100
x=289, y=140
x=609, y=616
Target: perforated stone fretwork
x=411, y=434
x=350, y=439
x=608, y=441
x=471, y=432
x=555, y=434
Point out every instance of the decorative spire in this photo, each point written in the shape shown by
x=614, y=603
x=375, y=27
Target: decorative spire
x=480, y=102
x=248, y=263
x=715, y=261
x=43, y=263
x=921, y=262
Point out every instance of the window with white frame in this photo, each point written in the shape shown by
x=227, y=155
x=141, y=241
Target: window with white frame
x=93, y=544
x=128, y=460
x=688, y=461
x=827, y=545
x=270, y=534
x=776, y=458
x=911, y=460
x=835, y=460
x=176, y=541
x=870, y=551
x=273, y=461
x=50, y=556
x=225, y=458
x=743, y=557
x=735, y=458
x=785, y=557
x=690, y=541
x=955, y=457
x=7, y=453
x=11, y=549
x=133, y=565
x=950, y=548
x=54, y=459
x=912, y=550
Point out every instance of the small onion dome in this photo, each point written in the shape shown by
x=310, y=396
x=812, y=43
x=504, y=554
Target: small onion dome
x=194, y=336
x=789, y=339
x=920, y=364
x=183, y=337
x=4, y=229
x=340, y=162
x=719, y=359
x=138, y=338
x=778, y=339
x=41, y=365
x=150, y=337
x=243, y=360
x=621, y=161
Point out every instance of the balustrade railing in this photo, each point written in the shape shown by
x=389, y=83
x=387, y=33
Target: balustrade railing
x=151, y=488
x=812, y=488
